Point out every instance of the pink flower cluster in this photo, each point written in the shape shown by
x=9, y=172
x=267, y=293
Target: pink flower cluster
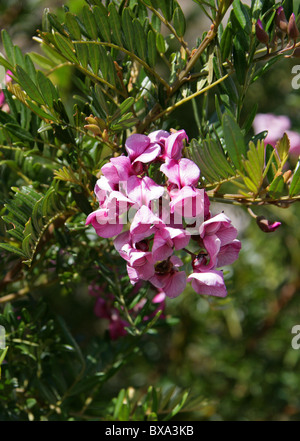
x=163, y=217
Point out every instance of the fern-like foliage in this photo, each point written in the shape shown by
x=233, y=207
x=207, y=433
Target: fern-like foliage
x=29, y=214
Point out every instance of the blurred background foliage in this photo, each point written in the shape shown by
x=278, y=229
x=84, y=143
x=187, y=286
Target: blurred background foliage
x=235, y=354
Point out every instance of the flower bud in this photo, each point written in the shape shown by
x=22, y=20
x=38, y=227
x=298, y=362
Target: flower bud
x=265, y=225
x=91, y=119
x=105, y=135
x=261, y=34
x=293, y=31
x=287, y=175
x=280, y=20
x=93, y=128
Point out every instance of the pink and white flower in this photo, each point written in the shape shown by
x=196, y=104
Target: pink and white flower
x=208, y=283
x=162, y=218
x=181, y=173
x=168, y=279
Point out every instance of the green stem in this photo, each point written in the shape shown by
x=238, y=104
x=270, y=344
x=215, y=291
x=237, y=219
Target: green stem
x=190, y=97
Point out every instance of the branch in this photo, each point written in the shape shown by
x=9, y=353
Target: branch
x=190, y=97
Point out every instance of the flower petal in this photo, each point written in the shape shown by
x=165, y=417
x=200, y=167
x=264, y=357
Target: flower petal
x=208, y=283
x=136, y=144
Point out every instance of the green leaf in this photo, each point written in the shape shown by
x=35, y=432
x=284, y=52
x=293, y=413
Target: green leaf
x=178, y=407
x=29, y=67
x=100, y=99
x=226, y=42
x=12, y=249
x=160, y=43
x=19, y=132
x=179, y=22
x=262, y=70
x=53, y=20
x=3, y=353
x=19, y=57
x=239, y=61
x=140, y=39
x=277, y=186
x=103, y=61
x=125, y=122
x=111, y=70
x=254, y=166
x=128, y=30
x=6, y=64
x=89, y=22
x=200, y=155
x=151, y=45
x=48, y=208
x=155, y=23
x=36, y=217
x=234, y=140
x=41, y=61
x=219, y=159
x=119, y=402
x=101, y=18
x=166, y=7
x=114, y=20
x=52, y=54
x=28, y=85
x=125, y=105
x=227, y=86
x=282, y=147
x=66, y=47
x=73, y=26
x=242, y=16
x=256, y=8
x=47, y=89
x=82, y=54
x=5, y=118
x=295, y=184
x=249, y=120
x=8, y=46
x=94, y=57
x=43, y=115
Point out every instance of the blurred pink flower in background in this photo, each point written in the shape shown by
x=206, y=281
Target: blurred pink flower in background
x=105, y=308
x=3, y=104
x=276, y=126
